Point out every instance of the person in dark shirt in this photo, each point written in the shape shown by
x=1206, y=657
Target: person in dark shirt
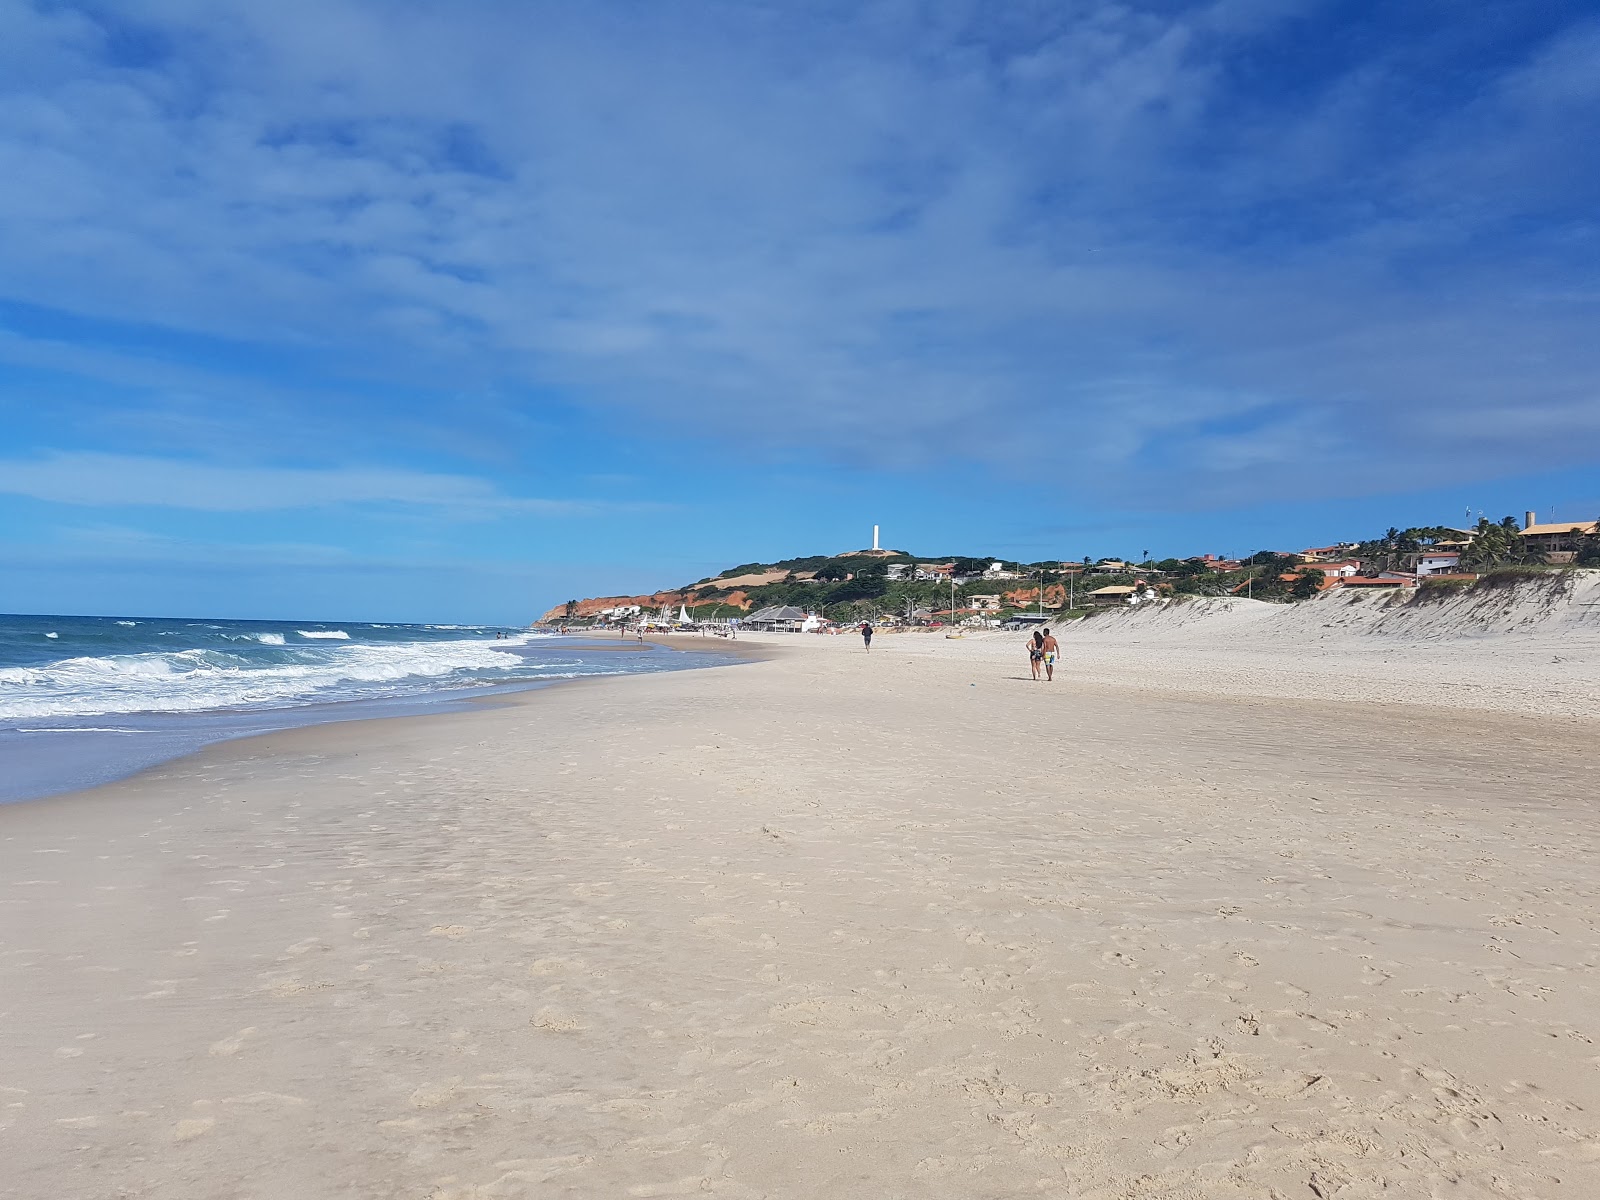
x=866, y=634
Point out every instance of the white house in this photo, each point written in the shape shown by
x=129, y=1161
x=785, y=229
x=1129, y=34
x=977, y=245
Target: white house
x=1438, y=562
x=1335, y=570
x=998, y=571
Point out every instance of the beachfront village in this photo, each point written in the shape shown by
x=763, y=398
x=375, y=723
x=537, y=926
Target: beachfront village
x=895, y=588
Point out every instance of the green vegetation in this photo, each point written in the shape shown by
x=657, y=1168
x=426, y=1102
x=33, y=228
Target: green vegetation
x=857, y=586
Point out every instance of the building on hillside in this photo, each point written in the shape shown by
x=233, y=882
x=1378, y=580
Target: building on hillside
x=998, y=571
x=934, y=572
x=1388, y=579
x=1116, y=593
x=1556, y=541
x=1335, y=570
x=1437, y=560
x=1325, y=553
x=1110, y=566
x=1211, y=562
x=984, y=603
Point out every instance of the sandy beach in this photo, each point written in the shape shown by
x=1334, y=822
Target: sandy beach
x=1292, y=924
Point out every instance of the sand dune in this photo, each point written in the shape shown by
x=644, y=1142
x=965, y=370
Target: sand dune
x=891, y=925
x=1531, y=649
x=1563, y=605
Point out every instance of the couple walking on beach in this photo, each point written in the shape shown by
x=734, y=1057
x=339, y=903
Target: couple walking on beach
x=1042, y=650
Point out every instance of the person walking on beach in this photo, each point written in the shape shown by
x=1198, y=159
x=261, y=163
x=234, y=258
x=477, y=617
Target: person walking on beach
x=866, y=634
x=1050, y=647
x=1035, y=652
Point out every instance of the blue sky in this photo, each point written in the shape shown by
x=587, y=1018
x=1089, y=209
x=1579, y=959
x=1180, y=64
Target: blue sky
x=451, y=311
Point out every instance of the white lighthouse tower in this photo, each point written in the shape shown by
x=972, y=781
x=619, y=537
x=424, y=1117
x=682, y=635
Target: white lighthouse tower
x=874, y=537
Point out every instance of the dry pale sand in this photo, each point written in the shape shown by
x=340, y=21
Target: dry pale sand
x=832, y=925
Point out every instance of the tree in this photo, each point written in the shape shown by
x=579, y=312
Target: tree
x=1589, y=548
x=1306, y=585
x=862, y=587
x=1495, y=544
x=571, y=607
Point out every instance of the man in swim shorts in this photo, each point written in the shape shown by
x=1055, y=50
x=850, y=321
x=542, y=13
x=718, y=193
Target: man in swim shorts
x=1049, y=647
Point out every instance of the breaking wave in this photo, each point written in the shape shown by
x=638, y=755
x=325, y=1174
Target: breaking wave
x=267, y=675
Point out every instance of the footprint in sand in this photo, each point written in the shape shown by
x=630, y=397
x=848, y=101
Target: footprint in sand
x=229, y=1046
x=555, y=1021
x=432, y=1095
x=549, y=966
x=188, y=1130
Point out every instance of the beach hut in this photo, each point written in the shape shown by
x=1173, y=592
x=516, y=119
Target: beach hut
x=777, y=618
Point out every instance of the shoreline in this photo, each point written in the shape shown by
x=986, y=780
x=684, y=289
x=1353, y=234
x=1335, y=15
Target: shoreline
x=843, y=924
x=174, y=736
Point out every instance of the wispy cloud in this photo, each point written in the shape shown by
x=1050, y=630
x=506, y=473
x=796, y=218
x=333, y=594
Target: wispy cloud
x=123, y=481
x=1171, y=247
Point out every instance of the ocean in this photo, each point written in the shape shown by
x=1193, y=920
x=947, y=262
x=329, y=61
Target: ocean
x=84, y=700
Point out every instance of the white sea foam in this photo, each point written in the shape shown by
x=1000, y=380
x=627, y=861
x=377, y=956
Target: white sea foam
x=200, y=680
x=79, y=729
x=52, y=635
x=269, y=639
x=332, y=635
x=130, y=624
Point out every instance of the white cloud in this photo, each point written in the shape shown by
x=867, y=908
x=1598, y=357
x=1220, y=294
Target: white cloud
x=122, y=481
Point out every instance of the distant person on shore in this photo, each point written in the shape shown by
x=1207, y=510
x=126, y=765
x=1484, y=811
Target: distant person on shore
x=866, y=634
x=1051, y=648
x=1035, y=652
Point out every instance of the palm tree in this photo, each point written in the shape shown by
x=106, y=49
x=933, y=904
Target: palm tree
x=571, y=605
